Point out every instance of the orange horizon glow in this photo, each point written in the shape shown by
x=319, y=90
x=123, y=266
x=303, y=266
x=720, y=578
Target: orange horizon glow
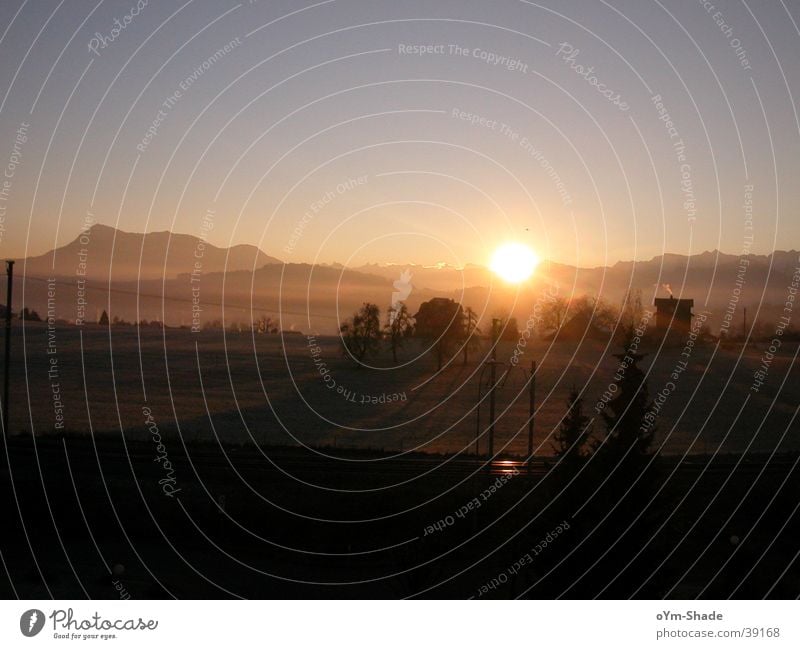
x=514, y=262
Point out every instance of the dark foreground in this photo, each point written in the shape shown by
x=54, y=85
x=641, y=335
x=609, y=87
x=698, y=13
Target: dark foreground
x=108, y=519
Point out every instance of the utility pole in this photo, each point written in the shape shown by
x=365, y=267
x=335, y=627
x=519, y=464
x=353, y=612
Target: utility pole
x=10, y=273
x=531, y=409
x=492, y=366
x=467, y=333
x=492, y=380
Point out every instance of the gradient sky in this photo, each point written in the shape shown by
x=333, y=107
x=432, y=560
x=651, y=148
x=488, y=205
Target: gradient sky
x=313, y=97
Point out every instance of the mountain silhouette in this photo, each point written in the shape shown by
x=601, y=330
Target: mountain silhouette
x=141, y=256
x=250, y=282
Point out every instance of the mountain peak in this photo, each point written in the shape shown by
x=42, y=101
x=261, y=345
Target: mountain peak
x=109, y=251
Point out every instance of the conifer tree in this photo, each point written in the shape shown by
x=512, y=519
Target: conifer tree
x=629, y=431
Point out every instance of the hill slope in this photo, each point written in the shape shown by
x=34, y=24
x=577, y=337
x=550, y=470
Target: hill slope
x=148, y=256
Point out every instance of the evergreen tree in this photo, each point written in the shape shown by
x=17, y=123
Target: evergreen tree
x=624, y=508
x=573, y=434
x=629, y=433
x=627, y=416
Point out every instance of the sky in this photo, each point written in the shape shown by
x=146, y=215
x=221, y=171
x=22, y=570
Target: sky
x=406, y=132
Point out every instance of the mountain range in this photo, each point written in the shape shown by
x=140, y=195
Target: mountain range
x=150, y=276
x=154, y=255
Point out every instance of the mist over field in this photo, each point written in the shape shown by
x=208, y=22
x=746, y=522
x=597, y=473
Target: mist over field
x=267, y=390
x=159, y=276
x=332, y=299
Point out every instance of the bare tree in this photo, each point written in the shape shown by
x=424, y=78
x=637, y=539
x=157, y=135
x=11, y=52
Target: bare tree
x=554, y=313
x=398, y=327
x=264, y=325
x=594, y=310
x=361, y=333
x=632, y=310
x=603, y=314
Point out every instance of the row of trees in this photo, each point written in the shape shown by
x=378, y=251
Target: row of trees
x=442, y=321
x=31, y=315
x=362, y=334
x=596, y=311
x=448, y=325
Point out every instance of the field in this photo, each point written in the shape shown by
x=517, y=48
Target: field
x=183, y=473
x=293, y=390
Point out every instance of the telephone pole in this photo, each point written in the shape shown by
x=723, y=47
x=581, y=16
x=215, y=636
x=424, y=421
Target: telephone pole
x=491, y=364
x=9, y=289
x=492, y=381
x=531, y=409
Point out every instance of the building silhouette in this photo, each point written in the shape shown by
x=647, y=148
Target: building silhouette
x=674, y=315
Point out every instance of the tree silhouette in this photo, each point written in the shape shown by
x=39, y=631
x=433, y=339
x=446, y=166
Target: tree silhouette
x=573, y=434
x=507, y=328
x=398, y=327
x=554, y=313
x=440, y=320
x=632, y=309
x=629, y=433
x=103, y=318
x=265, y=325
x=624, y=508
x=583, y=309
x=361, y=333
x=593, y=310
x=30, y=315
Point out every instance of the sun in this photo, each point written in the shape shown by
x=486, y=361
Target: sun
x=514, y=262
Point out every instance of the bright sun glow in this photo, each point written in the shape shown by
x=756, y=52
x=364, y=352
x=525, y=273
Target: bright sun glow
x=514, y=262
